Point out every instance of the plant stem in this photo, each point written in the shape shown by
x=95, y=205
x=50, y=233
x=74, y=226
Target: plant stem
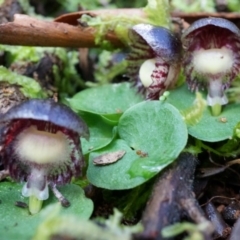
x=216, y=109
x=35, y=205
x=216, y=96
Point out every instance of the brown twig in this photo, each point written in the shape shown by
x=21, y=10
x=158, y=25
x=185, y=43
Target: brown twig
x=191, y=17
x=28, y=31
x=221, y=228
x=197, y=15
x=65, y=31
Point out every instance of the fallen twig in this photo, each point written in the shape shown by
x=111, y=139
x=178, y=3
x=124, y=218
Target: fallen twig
x=221, y=227
x=28, y=31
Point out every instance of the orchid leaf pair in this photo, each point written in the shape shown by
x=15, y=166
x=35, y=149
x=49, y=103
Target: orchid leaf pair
x=152, y=134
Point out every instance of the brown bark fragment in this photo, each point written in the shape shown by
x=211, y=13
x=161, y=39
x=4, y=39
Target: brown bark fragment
x=172, y=198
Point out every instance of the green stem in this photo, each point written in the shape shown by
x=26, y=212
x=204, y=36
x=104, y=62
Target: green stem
x=35, y=204
x=201, y=145
x=216, y=109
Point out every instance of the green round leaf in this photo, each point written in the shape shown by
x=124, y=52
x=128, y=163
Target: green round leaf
x=209, y=128
x=17, y=223
x=101, y=133
x=156, y=129
x=109, y=100
x=153, y=134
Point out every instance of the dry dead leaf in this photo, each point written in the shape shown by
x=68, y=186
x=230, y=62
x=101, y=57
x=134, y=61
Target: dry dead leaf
x=108, y=158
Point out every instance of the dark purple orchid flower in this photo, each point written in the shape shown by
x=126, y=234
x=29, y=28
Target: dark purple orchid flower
x=41, y=146
x=211, y=59
x=154, y=60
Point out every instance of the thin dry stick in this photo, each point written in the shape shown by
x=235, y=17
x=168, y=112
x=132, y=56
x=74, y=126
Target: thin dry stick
x=29, y=31
x=221, y=227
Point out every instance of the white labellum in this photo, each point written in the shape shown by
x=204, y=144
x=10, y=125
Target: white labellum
x=146, y=70
x=213, y=61
x=42, y=147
